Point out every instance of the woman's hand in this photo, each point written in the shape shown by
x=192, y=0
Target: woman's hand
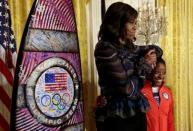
x=151, y=58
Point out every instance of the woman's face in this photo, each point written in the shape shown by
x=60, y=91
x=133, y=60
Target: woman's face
x=159, y=74
x=130, y=29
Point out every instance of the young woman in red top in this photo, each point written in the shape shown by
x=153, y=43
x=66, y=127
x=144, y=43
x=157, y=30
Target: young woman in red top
x=160, y=116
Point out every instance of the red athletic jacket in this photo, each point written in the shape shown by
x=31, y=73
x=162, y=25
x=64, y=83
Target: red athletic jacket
x=159, y=118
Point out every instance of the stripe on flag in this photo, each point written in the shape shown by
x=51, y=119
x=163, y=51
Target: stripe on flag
x=7, y=64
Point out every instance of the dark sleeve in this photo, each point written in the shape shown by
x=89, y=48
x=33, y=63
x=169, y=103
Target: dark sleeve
x=109, y=65
x=110, y=68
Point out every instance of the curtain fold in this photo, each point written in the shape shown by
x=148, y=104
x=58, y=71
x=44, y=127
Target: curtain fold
x=80, y=14
x=19, y=12
x=178, y=52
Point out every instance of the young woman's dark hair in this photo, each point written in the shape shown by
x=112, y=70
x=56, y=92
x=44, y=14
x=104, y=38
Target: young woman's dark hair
x=160, y=61
x=117, y=15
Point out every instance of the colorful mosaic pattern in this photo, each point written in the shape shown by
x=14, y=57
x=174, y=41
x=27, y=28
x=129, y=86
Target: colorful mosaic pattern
x=48, y=83
x=54, y=15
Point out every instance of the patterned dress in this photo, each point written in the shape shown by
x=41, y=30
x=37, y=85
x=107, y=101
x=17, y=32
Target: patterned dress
x=122, y=71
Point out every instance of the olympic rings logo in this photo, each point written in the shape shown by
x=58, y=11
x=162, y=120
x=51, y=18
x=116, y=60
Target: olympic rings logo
x=56, y=100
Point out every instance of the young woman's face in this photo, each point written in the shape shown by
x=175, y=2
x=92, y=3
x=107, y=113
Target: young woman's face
x=130, y=29
x=159, y=74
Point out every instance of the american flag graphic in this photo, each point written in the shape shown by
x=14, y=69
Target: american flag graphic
x=54, y=15
x=7, y=64
x=55, y=81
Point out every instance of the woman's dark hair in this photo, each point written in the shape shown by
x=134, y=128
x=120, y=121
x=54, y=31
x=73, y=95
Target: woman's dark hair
x=117, y=15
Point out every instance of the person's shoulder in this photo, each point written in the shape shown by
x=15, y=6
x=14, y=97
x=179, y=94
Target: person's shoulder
x=105, y=48
x=104, y=45
x=146, y=87
x=168, y=90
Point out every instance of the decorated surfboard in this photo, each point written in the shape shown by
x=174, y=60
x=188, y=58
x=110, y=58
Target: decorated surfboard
x=47, y=87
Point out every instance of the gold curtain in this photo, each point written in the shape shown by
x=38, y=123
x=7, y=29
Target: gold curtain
x=19, y=13
x=80, y=14
x=178, y=53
